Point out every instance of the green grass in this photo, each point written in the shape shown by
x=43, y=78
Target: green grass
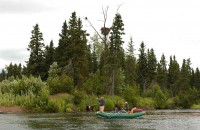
x=195, y=106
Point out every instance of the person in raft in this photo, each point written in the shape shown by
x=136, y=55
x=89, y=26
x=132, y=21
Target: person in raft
x=133, y=110
x=126, y=106
x=101, y=103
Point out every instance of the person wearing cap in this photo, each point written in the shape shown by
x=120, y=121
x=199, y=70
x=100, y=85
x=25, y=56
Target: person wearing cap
x=126, y=106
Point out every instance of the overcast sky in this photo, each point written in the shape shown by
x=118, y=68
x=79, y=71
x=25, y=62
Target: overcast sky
x=171, y=27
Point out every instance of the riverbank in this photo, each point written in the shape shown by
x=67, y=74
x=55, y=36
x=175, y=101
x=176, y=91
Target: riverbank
x=11, y=109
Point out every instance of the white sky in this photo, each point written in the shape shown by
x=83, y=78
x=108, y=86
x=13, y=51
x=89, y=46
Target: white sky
x=171, y=27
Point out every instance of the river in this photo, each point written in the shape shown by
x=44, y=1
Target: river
x=153, y=120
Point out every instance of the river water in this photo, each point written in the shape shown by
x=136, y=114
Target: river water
x=153, y=120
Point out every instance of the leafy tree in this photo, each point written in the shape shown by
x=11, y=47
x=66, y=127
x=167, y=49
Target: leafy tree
x=98, y=47
x=58, y=81
x=36, y=63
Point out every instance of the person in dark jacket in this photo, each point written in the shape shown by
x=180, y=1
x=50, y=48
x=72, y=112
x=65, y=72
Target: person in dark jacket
x=101, y=103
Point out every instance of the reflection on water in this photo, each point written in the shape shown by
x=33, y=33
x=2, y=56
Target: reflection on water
x=153, y=120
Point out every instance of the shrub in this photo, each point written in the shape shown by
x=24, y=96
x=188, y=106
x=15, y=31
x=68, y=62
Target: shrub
x=28, y=84
x=78, y=96
x=145, y=103
x=7, y=86
x=60, y=84
x=130, y=93
x=93, y=84
x=160, y=98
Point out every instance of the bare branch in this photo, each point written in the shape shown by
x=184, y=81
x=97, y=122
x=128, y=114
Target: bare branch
x=119, y=6
x=94, y=28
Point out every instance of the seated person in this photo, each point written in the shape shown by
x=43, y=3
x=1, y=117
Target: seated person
x=118, y=107
x=126, y=106
x=132, y=110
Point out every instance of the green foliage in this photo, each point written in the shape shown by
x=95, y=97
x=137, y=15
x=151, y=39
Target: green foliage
x=142, y=67
x=36, y=62
x=60, y=84
x=160, y=98
x=93, y=84
x=170, y=104
x=14, y=70
x=145, y=103
x=7, y=86
x=130, y=65
x=28, y=84
x=187, y=99
x=131, y=92
x=78, y=96
x=110, y=102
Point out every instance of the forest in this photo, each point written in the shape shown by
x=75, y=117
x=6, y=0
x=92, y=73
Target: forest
x=72, y=75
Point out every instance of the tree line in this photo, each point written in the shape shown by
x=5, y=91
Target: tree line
x=103, y=66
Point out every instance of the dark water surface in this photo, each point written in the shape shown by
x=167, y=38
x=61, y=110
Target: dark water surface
x=153, y=120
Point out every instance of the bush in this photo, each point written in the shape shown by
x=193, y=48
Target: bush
x=60, y=84
x=160, y=98
x=7, y=86
x=78, y=96
x=170, y=104
x=187, y=99
x=130, y=93
x=28, y=84
x=93, y=84
x=145, y=103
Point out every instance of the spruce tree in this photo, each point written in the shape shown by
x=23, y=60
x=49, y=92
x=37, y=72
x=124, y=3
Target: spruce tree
x=173, y=75
x=116, y=50
x=197, y=79
x=185, y=75
x=142, y=69
x=151, y=65
x=62, y=51
x=130, y=65
x=77, y=49
x=161, y=76
x=36, y=63
x=49, y=57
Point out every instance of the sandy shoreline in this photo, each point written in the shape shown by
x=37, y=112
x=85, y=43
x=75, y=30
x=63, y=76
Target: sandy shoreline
x=11, y=109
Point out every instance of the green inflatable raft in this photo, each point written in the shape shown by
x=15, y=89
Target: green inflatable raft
x=119, y=115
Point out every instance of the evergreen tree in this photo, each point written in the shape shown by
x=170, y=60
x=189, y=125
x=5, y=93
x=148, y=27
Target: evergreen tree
x=161, y=76
x=130, y=65
x=197, y=79
x=14, y=70
x=185, y=75
x=49, y=57
x=173, y=75
x=151, y=65
x=142, y=68
x=77, y=49
x=116, y=49
x=36, y=63
x=62, y=51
